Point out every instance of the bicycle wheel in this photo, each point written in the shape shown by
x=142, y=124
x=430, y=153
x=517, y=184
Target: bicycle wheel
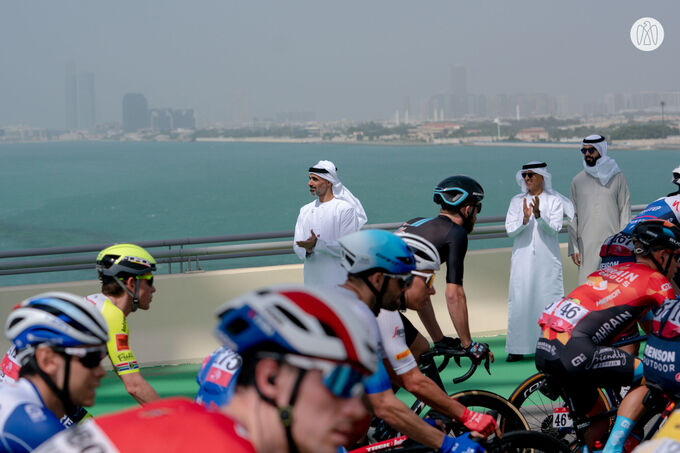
x=507, y=416
x=526, y=442
x=536, y=403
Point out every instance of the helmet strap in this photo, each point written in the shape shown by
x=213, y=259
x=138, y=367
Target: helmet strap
x=402, y=302
x=378, y=294
x=662, y=269
x=135, y=296
x=286, y=412
x=63, y=393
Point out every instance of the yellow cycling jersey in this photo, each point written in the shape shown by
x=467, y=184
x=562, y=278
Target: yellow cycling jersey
x=122, y=357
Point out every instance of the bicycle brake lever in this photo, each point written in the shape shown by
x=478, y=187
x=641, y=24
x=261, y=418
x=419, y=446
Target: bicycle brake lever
x=457, y=359
x=487, y=365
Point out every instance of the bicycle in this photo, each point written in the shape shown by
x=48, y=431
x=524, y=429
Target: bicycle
x=549, y=410
x=513, y=442
x=508, y=417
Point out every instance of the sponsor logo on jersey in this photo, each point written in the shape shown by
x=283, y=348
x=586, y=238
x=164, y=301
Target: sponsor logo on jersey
x=125, y=356
x=122, y=342
x=604, y=300
x=403, y=354
x=549, y=348
x=659, y=354
x=666, y=287
x=610, y=326
x=398, y=332
x=579, y=359
x=35, y=413
x=623, y=276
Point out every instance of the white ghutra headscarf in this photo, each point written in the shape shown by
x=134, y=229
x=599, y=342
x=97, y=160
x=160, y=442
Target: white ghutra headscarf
x=326, y=169
x=541, y=168
x=605, y=167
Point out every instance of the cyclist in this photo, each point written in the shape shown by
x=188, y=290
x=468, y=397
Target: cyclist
x=379, y=266
x=48, y=331
x=618, y=248
x=675, y=179
x=579, y=328
x=460, y=200
x=217, y=377
x=399, y=360
x=299, y=389
x=125, y=271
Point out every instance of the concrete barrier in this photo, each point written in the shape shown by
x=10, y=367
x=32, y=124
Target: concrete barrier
x=177, y=328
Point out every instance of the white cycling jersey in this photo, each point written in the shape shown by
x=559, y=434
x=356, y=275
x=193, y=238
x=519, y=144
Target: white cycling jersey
x=394, y=344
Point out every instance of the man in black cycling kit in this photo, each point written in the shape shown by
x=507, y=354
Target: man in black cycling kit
x=460, y=198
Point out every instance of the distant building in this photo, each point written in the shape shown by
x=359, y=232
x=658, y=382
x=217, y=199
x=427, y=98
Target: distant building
x=160, y=119
x=536, y=134
x=71, y=88
x=135, y=112
x=430, y=131
x=183, y=119
x=86, y=101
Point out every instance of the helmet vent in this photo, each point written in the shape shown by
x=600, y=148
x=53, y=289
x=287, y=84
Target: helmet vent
x=329, y=331
x=291, y=317
x=237, y=326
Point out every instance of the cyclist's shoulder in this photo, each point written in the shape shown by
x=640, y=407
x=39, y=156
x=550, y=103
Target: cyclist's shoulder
x=167, y=421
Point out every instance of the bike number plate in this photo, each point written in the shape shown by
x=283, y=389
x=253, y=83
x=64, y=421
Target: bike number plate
x=562, y=418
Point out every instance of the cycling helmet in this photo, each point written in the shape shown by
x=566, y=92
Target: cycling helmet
x=124, y=259
x=375, y=249
x=56, y=319
x=655, y=234
x=301, y=321
x=458, y=190
x=425, y=253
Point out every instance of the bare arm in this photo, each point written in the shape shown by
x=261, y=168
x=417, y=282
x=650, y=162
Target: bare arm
x=429, y=320
x=456, y=302
x=386, y=406
x=138, y=388
x=427, y=391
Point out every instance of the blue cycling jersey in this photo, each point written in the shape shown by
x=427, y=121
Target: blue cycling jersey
x=25, y=422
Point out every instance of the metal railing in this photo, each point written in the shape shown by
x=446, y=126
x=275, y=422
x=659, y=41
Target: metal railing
x=82, y=257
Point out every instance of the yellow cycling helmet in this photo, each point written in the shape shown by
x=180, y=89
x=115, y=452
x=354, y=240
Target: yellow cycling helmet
x=124, y=259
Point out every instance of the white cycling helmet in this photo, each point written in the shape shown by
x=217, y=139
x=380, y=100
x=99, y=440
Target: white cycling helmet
x=427, y=256
x=56, y=319
x=300, y=321
x=676, y=176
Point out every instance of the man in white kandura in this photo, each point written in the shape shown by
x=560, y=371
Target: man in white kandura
x=334, y=214
x=534, y=220
x=602, y=203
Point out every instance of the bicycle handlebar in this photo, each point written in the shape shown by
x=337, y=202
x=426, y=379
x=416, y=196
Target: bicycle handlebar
x=456, y=354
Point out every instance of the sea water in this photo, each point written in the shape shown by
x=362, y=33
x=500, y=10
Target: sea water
x=78, y=193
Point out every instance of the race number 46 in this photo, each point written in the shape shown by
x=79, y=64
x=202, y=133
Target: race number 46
x=562, y=418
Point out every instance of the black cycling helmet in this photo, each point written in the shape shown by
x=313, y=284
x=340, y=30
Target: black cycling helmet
x=656, y=234
x=458, y=190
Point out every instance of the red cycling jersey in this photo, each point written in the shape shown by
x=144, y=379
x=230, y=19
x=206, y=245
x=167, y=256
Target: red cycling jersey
x=167, y=426
x=608, y=306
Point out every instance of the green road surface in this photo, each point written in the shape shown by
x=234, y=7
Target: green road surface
x=181, y=380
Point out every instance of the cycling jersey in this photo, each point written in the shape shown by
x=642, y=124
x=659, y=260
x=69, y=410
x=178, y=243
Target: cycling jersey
x=393, y=336
x=450, y=239
x=118, y=346
x=579, y=328
x=662, y=352
x=9, y=367
x=217, y=377
x=166, y=426
x=25, y=422
x=618, y=248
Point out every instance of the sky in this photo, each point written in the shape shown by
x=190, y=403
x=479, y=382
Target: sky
x=350, y=59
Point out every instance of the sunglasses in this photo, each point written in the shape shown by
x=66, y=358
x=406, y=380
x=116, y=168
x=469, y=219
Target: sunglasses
x=148, y=278
x=588, y=150
x=429, y=278
x=89, y=357
x=341, y=380
x=479, y=207
x=528, y=175
x=404, y=280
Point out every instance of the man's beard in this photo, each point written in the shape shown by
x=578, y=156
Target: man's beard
x=591, y=161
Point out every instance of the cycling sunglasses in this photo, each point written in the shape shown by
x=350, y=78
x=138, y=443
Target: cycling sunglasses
x=429, y=278
x=341, y=380
x=148, y=278
x=404, y=280
x=89, y=357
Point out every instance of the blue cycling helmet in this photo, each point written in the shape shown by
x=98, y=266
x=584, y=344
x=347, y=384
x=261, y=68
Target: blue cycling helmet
x=376, y=250
x=55, y=319
x=458, y=190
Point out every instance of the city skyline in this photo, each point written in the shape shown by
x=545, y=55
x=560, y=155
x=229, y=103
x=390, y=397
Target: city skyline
x=233, y=61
